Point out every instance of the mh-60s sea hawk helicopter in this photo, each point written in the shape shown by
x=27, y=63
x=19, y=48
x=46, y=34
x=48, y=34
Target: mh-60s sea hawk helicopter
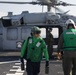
x=20, y=25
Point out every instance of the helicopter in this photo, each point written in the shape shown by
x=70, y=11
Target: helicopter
x=20, y=25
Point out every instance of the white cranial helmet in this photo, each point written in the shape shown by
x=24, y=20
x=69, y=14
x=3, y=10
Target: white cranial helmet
x=70, y=22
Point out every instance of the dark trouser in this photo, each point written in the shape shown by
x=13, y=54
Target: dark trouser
x=50, y=50
x=69, y=62
x=32, y=68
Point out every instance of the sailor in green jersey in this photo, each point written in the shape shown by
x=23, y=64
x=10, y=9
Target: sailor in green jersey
x=67, y=40
x=35, y=48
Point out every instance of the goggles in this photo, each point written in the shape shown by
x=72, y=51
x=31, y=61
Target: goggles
x=70, y=25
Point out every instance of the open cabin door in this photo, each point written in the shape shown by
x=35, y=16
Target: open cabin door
x=56, y=32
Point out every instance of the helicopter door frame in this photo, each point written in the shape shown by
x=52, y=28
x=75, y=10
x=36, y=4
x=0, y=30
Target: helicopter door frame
x=1, y=38
x=60, y=30
x=1, y=41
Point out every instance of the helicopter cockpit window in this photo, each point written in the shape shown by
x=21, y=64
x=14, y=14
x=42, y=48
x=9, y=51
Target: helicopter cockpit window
x=43, y=32
x=55, y=32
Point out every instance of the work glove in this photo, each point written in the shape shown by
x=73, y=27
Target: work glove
x=47, y=63
x=22, y=63
x=47, y=67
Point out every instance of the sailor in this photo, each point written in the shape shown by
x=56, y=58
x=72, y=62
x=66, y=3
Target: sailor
x=67, y=41
x=35, y=48
x=50, y=41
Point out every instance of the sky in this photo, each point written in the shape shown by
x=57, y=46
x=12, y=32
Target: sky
x=17, y=9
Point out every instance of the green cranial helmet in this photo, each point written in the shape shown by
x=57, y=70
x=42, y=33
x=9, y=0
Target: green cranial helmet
x=35, y=30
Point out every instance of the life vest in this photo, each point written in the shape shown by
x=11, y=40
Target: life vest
x=69, y=37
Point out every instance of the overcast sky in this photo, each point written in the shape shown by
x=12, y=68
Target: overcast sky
x=17, y=9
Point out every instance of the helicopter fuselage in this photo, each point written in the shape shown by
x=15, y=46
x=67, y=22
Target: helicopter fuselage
x=16, y=28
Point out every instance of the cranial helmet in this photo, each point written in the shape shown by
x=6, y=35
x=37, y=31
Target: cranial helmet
x=70, y=22
x=49, y=29
x=35, y=30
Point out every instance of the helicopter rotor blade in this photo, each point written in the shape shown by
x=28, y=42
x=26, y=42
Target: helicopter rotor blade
x=69, y=4
x=13, y=2
x=65, y=4
x=45, y=1
x=48, y=3
x=34, y=3
x=58, y=9
x=9, y=2
x=41, y=2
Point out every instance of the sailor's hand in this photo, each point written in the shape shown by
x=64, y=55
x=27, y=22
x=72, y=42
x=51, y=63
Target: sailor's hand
x=59, y=56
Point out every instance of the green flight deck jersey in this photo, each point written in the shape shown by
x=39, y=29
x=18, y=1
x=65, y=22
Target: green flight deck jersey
x=70, y=39
x=36, y=47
